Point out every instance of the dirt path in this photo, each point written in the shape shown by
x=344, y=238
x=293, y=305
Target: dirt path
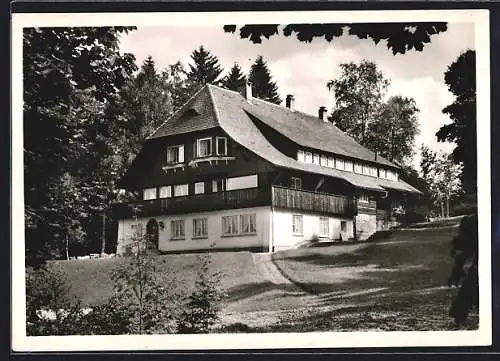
x=268, y=269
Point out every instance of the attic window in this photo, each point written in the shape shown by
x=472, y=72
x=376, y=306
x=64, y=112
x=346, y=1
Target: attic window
x=191, y=112
x=221, y=146
x=204, y=147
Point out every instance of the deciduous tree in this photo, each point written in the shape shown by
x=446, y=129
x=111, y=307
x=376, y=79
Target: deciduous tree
x=461, y=80
x=399, y=37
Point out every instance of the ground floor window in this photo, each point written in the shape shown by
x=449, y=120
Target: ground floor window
x=343, y=226
x=149, y=193
x=247, y=222
x=324, y=228
x=199, y=188
x=177, y=229
x=297, y=224
x=181, y=190
x=166, y=192
x=229, y=225
x=200, y=227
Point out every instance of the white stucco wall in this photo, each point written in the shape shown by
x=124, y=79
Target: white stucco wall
x=282, y=230
x=366, y=225
x=214, y=219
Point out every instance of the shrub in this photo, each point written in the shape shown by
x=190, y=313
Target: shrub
x=111, y=318
x=202, y=307
x=465, y=273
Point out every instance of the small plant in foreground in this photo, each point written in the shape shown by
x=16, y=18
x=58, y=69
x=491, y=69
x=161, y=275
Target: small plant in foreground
x=143, y=292
x=203, y=305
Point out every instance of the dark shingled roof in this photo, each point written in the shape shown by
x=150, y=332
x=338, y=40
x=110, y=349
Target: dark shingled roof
x=230, y=110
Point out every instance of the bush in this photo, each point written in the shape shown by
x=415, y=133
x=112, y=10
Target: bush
x=112, y=318
x=202, y=307
x=237, y=327
x=465, y=273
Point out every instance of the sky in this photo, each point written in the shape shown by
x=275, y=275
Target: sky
x=303, y=69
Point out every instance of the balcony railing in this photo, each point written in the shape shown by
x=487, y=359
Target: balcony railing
x=313, y=201
x=280, y=197
x=241, y=198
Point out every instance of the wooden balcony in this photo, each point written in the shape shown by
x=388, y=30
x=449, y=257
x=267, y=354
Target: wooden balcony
x=280, y=197
x=313, y=201
x=241, y=198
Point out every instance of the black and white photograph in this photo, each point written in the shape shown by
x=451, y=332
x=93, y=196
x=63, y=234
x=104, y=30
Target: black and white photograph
x=251, y=180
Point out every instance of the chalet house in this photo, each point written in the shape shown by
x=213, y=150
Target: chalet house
x=244, y=173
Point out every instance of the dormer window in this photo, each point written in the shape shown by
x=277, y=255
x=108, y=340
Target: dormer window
x=203, y=147
x=175, y=154
x=221, y=146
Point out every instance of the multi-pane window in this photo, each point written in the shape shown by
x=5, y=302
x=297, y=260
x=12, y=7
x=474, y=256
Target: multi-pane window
x=343, y=226
x=199, y=188
x=218, y=185
x=366, y=169
x=177, y=229
x=296, y=183
x=149, y=193
x=297, y=224
x=308, y=157
x=324, y=161
x=300, y=156
x=339, y=164
x=175, y=154
x=248, y=181
x=324, y=226
x=166, y=192
x=181, y=190
x=316, y=158
x=358, y=168
x=200, y=227
x=331, y=162
x=204, y=147
x=221, y=146
x=382, y=173
x=229, y=225
x=248, y=225
x=373, y=171
x=348, y=165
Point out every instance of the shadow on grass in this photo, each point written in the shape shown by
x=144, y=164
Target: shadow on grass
x=248, y=290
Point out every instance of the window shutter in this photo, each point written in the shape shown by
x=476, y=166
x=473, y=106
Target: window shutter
x=181, y=154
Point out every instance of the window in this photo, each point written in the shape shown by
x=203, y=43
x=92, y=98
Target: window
x=343, y=226
x=229, y=225
x=247, y=222
x=199, y=188
x=166, y=192
x=348, y=165
x=324, y=226
x=339, y=164
x=177, y=229
x=363, y=197
x=324, y=161
x=382, y=173
x=308, y=157
x=149, y=193
x=218, y=185
x=297, y=224
x=249, y=181
x=300, y=156
x=373, y=171
x=221, y=146
x=204, y=147
x=366, y=169
x=175, y=154
x=200, y=227
x=296, y=183
x=331, y=162
x=358, y=168
x=181, y=190
x=316, y=158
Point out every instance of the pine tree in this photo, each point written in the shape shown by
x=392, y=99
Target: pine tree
x=235, y=80
x=263, y=85
x=205, y=70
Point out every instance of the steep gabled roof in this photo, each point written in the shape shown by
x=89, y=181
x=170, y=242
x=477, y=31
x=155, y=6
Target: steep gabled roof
x=230, y=110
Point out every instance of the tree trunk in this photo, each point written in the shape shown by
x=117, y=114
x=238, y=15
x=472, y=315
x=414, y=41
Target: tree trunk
x=67, y=248
x=447, y=206
x=103, y=249
x=442, y=208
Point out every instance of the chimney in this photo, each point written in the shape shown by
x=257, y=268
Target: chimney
x=321, y=114
x=248, y=90
x=289, y=102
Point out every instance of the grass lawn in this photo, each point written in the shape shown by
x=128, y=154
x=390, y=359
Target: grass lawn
x=398, y=283
x=395, y=283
